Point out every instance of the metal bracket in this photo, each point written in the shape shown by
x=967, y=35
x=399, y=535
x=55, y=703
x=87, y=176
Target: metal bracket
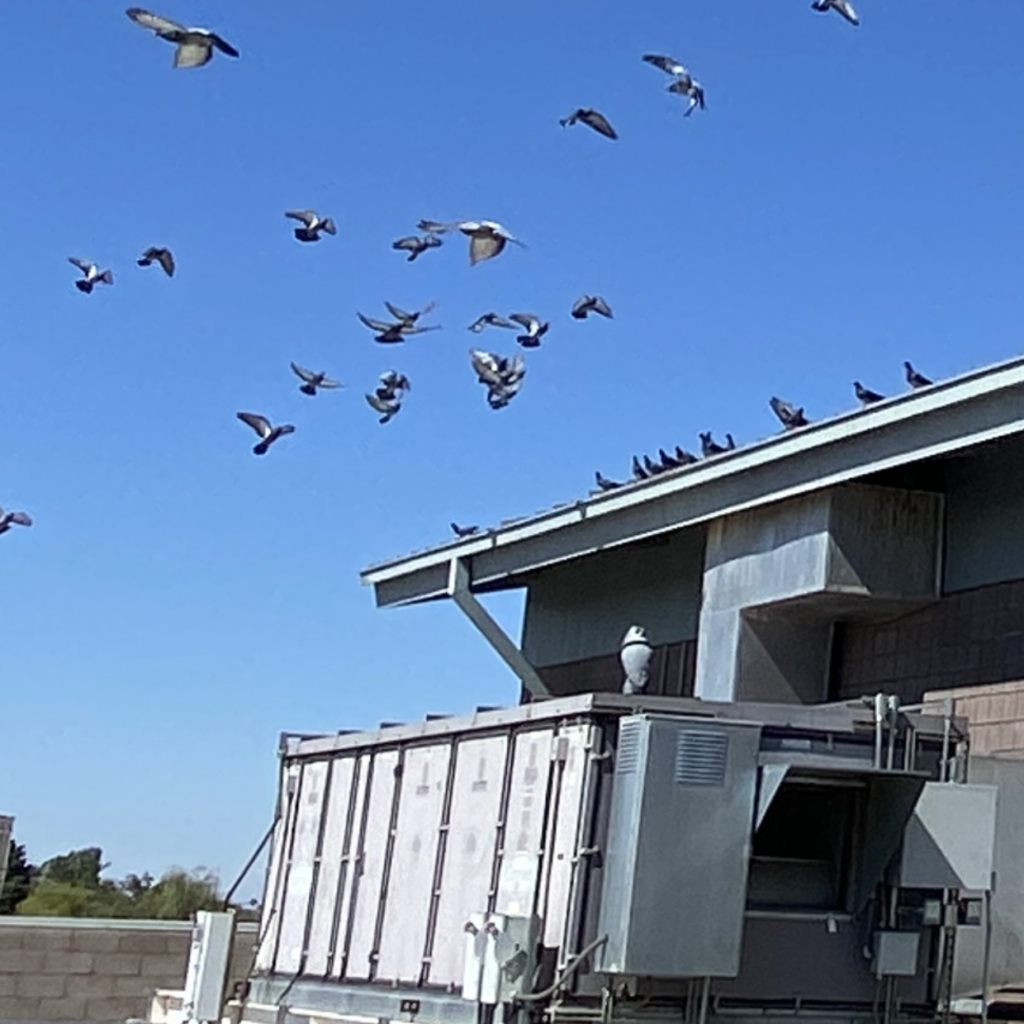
x=459, y=592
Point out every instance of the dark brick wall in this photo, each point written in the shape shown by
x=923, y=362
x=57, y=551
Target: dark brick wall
x=964, y=639
x=672, y=670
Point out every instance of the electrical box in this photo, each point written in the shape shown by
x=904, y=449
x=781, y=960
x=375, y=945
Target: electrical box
x=209, y=956
x=500, y=960
x=896, y=954
x=674, y=890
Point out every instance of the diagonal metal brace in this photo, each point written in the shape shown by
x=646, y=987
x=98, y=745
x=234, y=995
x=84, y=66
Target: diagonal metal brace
x=459, y=592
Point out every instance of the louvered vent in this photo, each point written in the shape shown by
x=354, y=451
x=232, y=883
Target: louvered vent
x=629, y=748
x=700, y=757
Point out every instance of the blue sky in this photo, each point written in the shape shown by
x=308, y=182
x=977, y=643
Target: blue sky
x=850, y=198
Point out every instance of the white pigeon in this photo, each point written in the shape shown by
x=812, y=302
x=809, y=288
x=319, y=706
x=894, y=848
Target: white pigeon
x=487, y=238
x=635, y=653
x=194, y=46
x=843, y=7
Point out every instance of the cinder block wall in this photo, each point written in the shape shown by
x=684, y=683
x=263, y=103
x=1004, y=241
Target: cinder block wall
x=77, y=969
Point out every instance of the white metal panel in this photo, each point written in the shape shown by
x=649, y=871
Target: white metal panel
x=372, y=856
x=271, y=917
x=299, y=878
x=325, y=899
x=470, y=849
x=524, y=823
x=563, y=844
x=411, y=882
x=351, y=865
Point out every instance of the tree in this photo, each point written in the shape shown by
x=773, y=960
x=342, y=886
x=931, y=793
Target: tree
x=81, y=868
x=70, y=886
x=20, y=874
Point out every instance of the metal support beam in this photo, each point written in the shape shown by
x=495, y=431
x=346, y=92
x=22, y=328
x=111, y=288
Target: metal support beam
x=459, y=592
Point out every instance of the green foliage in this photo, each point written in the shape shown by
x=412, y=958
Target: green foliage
x=19, y=878
x=70, y=886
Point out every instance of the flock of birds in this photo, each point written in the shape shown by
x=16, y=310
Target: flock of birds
x=501, y=376
x=790, y=416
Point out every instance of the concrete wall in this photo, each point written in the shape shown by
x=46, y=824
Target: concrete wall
x=777, y=578
x=582, y=609
x=77, y=969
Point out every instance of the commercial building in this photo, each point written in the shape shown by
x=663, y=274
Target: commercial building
x=788, y=820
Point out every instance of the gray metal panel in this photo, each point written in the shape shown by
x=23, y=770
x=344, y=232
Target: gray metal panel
x=469, y=852
x=950, y=839
x=772, y=776
x=524, y=823
x=299, y=878
x=350, y=874
x=563, y=843
x=890, y=802
x=325, y=899
x=675, y=877
x=372, y=858
x=414, y=861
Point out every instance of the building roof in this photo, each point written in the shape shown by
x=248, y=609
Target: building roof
x=949, y=416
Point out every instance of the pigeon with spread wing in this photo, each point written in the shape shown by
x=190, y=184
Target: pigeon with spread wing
x=193, y=46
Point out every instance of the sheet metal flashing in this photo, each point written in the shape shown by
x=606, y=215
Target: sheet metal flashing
x=951, y=415
x=835, y=718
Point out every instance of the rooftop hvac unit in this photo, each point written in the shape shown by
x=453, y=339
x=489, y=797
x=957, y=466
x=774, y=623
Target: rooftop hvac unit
x=208, y=960
x=679, y=835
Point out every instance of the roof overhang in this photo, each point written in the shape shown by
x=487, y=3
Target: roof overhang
x=954, y=415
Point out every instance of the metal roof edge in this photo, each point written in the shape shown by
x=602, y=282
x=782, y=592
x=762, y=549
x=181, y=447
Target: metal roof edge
x=888, y=414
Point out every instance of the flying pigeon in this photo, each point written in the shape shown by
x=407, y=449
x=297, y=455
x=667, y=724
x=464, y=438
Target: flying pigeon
x=604, y=483
x=388, y=407
x=487, y=238
x=311, y=381
x=490, y=320
x=709, y=447
x=535, y=329
x=268, y=434
x=158, y=254
x=391, y=383
x=843, y=7
x=790, y=416
x=866, y=395
x=312, y=225
x=587, y=304
x=684, y=83
x=464, y=531
x=194, y=46
x=395, y=332
x=502, y=375
x=9, y=519
x=635, y=653
x=592, y=119
x=415, y=245
x=408, y=319
x=639, y=473
x=93, y=275
x=915, y=379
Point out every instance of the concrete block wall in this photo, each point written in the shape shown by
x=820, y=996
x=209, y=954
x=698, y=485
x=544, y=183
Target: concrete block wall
x=77, y=969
